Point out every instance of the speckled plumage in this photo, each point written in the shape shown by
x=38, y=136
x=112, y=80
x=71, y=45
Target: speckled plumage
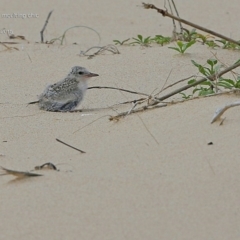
x=66, y=94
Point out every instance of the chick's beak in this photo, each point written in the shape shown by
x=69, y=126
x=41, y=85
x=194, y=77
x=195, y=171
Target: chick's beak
x=91, y=75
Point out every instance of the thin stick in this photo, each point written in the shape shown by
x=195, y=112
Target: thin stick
x=174, y=25
x=180, y=24
x=34, y=102
x=165, y=82
x=140, y=109
x=182, y=80
x=120, y=89
x=70, y=146
x=148, y=130
x=45, y=25
x=165, y=13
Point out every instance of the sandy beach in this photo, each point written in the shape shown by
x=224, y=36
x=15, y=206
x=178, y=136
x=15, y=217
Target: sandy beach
x=150, y=175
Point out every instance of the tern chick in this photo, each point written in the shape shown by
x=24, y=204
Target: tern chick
x=66, y=94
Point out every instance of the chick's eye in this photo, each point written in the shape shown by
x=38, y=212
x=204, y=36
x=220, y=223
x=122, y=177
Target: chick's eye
x=80, y=73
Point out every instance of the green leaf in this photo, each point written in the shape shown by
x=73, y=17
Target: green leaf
x=140, y=37
x=225, y=85
x=189, y=44
x=212, y=62
x=237, y=61
x=230, y=81
x=195, y=63
x=237, y=85
x=117, y=42
x=196, y=90
x=180, y=44
x=146, y=40
x=222, y=41
x=205, y=92
x=184, y=96
x=206, y=83
x=137, y=40
x=192, y=81
x=175, y=49
x=202, y=70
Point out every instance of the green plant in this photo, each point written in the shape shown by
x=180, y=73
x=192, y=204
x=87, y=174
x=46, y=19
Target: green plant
x=185, y=96
x=117, y=42
x=211, y=44
x=203, y=89
x=203, y=38
x=142, y=41
x=229, y=83
x=212, y=67
x=188, y=36
x=229, y=45
x=207, y=87
x=159, y=39
x=182, y=47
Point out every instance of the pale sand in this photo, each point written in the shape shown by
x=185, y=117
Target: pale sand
x=148, y=176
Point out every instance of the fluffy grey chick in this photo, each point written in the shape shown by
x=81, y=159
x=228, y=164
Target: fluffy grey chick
x=66, y=94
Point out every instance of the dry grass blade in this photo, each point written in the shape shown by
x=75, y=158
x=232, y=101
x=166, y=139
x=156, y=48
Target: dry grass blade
x=8, y=48
x=120, y=89
x=110, y=48
x=19, y=174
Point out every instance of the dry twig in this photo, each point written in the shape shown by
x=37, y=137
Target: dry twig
x=45, y=25
x=70, y=146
